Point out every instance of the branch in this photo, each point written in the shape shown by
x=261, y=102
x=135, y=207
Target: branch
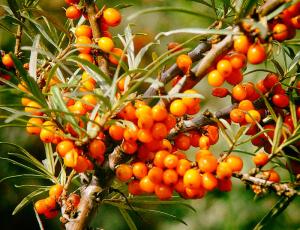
x=18, y=40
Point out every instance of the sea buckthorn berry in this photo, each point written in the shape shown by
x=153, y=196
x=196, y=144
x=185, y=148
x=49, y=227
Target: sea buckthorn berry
x=86, y=57
x=129, y=147
x=116, y=132
x=121, y=84
x=89, y=101
x=82, y=164
x=192, y=179
x=106, y=44
x=170, y=121
x=160, y=157
x=145, y=136
x=73, y=12
x=256, y=54
x=184, y=62
x=74, y=199
x=129, y=112
x=40, y=206
x=241, y=44
x=270, y=81
x=224, y=170
x=112, y=17
x=178, y=108
x=252, y=116
x=134, y=187
x=145, y=122
x=238, y=60
x=70, y=159
x=50, y=214
x=163, y=192
x=190, y=102
x=84, y=30
x=246, y=105
x=147, y=185
x=171, y=161
x=25, y=101
x=296, y=22
x=212, y=132
x=204, y=142
x=139, y=170
x=260, y=159
x=124, y=172
x=78, y=108
x=115, y=56
x=174, y=46
x=50, y=202
x=159, y=113
x=209, y=181
x=280, y=32
x=170, y=177
x=182, y=141
x=220, y=92
x=34, y=108
x=142, y=110
x=239, y=92
x=235, y=77
x=70, y=2
x=215, y=78
x=224, y=67
x=55, y=191
x=131, y=133
x=202, y=153
x=64, y=146
x=235, y=163
x=194, y=137
x=82, y=43
x=179, y=186
x=272, y=175
x=155, y=174
x=281, y=100
x=183, y=166
x=225, y=185
x=34, y=126
x=8, y=61
x=159, y=131
x=208, y=163
x=277, y=89
x=97, y=148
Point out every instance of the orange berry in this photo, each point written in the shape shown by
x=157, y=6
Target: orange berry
x=159, y=131
x=89, y=101
x=129, y=147
x=82, y=43
x=50, y=214
x=160, y=157
x=225, y=185
x=204, y=142
x=192, y=179
x=50, y=202
x=215, y=78
x=73, y=12
x=239, y=92
x=170, y=121
x=82, y=164
x=34, y=108
x=86, y=57
x=235, y=77
x=193, y=110
x=237, y=115
x=260, y=159
x=202, y=153
x=253, y=116
x=134, y=187
x=178, y=108
x=116, y=132
x=212, y=132
x=194, y=137
x=55, y=191
x=208, y=163
x=70, y=159
x=238, y=60
x=182, y=141
x=115, y=56
x=171, y=161
x=170, y=177
x=147, y=185
x=183, y=166
x=209, y=181
x=106, y=44
x=142, y=110
x=145, y=136
x=34, y=126
x=224, y=67
x=131, y=134
x=97, y=148
x=184, y=62
x=235, y=163
x=280, y=32
x=8, y=61
x=272, y=176
x=155, y=174
x=163, y=192
x=78, y=108
x=189, y=101
x=74, y=199
x=40, y=206
x=224, y=170
x=121, y=84
x=112, y=17
x=129, y=112
x=159, y=113
x=246, y=105
x=84, y=30
x=47, y=133
x=241, y=44
x=195, y=193
x=139, y=170
x=145, y=121
x=256, y=53
x=25, y=101
x=124, y=172
x=64, y=146
x=179, y=186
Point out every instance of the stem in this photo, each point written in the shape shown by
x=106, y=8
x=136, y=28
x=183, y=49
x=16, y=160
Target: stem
x=18, y=40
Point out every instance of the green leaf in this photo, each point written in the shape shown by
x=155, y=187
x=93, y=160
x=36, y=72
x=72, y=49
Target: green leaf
x=270, y=108
x=277, y=134
x=50, y=158
x=14, y=6
x=22, y=175
x=26, y=200
x=33, y=57
x=278, y=67
x=278, y=10
x=128, y=219
x=294, y=62
x=38, y=219
x=202, y=2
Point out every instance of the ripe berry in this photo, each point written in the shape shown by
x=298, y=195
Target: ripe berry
x=224, y=67
x=171, y=161
x=256, y=54
x=124, y=172
x=204, y=142
x=209, y=181
x=241, y=44
x=225, y=185
x=83, y=43
x=160, y=157
x=106, y=44
x=184, y=62
x=246, y=105
x=73, y=12
x=220, y=92
x=7, y=61
x=182, y=141
x=40, y=206
x=63, y=147
x=116, y=132
x=189, y=101
x=170, y=177
x=131, y=134
x=237, y=116
x=147, y=185
x=50, y=214
x=74, y=199
x=215, y=78
x=260, y=159
x=252, y=116
x=178, y=108
x=145, y=122
x=270, y=81
x=134, y=187
x=239, y=92
x=238, y=60
x=224, y=170
x=129, y=147
x=84, y=30
x=50, y=202
x=145, y=136
x=34, y=108
x=155, y=174
x=70, y=159
x=34, y=126
x=235, y=163
x=139, y=170
x=272, y=175
x=208, y=163
x=235, y=77
x=97, y=148
x=296, y=22
x=82, y=164
x=112, y=17
x=281, y=100
x=183, y=166
x=55, y=191
x=280, y=32
x=163, y=192
x=192, y=179
x=159, y=113
x=115, y=56
x=86, y=57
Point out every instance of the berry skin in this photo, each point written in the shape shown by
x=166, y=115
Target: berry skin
x=134, y=187
x=115, y=56
x=112, y=17
x=50, y=202
x=116, y=132
x=192, y=179
x=239, y=92
x=40, y=206
x=63, y=147
x=129, y=147
x=7, y=61
x=190, y=102
x=70, y=2
x=204, y=142
x=260, y=159
x=139, y=170
x=160, y=157
x=184, y=62
x=281, y=100
x=50, y=214
x=163, y=192
x=145, y=122
x=182, y=141
x=147, y=185
x=280, y=32
x=82, y=43
x=253, y=116
x=224, y=67
x=241, y=44
x=235, y=163
x=237, y=116
x=131, y=134
x=171, y=161
x=97, y=148
x=82, y=164
x=235, y=77
x=272, y=175
x=159, y=113
x=178, y=108
x=70, y=159
x=55, y=191
x=86, y=57
x=296, y=22
x=155, y=174
x=225, y=185
x=84, y=30
x=224, y=170
x=208, y=163
x=74, y=199
x=270, y=81
x=246, y=105
x=33, y=108
x=106, y=44
x=145, y=135
x=256, y=54
x=170, y=177
x=34, y=126
x=124, y=172
x=209, y=181
x=238, y=60
x=215, y=78
x=183, y=166
x=220, y=92
x=73, y=12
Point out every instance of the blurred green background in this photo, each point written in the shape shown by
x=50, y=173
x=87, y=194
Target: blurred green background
x=235, y=210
